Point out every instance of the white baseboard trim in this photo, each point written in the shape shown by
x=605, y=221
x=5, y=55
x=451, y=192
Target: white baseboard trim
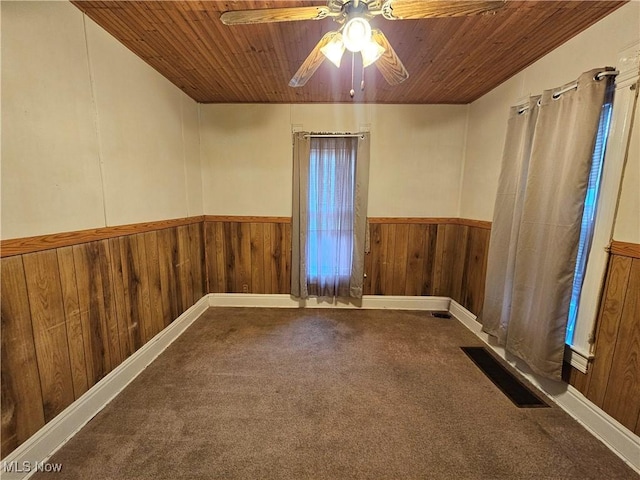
x=25, y=459
x=367, y=302
x=604, y=427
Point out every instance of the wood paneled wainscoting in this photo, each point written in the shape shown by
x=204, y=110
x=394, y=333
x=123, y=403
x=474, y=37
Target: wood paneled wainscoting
x=428, y=256
x=75, y=306
x=612, y=381
x=408, y=256
x=248, y=254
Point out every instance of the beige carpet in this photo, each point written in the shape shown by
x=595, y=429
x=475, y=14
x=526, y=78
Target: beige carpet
x=326, y=394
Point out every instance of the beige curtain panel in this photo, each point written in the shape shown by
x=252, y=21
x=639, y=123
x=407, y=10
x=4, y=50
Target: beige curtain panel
x=536, y=223
x=330, y=190
x=506, y=220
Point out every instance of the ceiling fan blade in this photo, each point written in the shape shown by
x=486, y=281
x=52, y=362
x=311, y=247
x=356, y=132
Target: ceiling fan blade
x=389, y=64
x=312, y=62
x=416, y=9
x=268, y=15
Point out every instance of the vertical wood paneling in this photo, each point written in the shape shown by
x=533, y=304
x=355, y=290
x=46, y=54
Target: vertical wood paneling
x=100, y=301
x=274, y=256
x=439, y=261
x=613, y=379
x=236, y=274
x=75, y=336
x=376, y=260
x=622, y=397
x=166, y=281
x=168, y=253
x=243, y=281
x=282, y=263
x=158, y=314
x=184, y=267
x=608, y=326
x=267, y=262
x=210, y=256
x=140, y=317
x=400, y=259
x=256, y=237
x=385, y=261
x=70, y=315
x=446, y=253
x=578, y=379
x=459, y=261
x=475, y=269
x=21, y=397
x=207, y=273
x=366, y=284
x=141, y=286
x=404, y=259
x=251, y=257
x=105, y=261
x=453, y=256
x=229, y=258
x=390, y=258
x=221, y=257
x=49, y=331
x=196, y=247
x=428, y=273
x=93, y=311
x=123, y=306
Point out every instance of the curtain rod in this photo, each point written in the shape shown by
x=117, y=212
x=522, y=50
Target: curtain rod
x=598, y=76
x=337, y=135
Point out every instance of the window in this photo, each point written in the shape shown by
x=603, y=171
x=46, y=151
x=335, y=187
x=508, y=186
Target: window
x=588, y=216
x=331, y=208
x=329, y=217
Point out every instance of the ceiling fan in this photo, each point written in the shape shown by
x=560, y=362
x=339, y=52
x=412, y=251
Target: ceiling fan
x=354, y=32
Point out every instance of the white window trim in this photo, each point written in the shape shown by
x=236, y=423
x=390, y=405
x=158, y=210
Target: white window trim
x=628, y=65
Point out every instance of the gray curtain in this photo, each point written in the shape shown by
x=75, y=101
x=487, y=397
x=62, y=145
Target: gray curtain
x=506, y=219
x=328, y=244
x=536, y=224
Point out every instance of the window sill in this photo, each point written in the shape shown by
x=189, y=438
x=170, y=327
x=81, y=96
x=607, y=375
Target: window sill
x=577, y=358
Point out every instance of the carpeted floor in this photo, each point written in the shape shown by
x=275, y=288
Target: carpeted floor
x=326, y=394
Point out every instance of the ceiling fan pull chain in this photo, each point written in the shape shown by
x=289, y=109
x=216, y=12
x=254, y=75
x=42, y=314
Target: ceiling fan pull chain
x=362, y=79
x=352, y=92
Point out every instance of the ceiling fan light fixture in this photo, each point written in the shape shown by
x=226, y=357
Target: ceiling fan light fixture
x=334, y=50
x=371, y=52
x=356, y=34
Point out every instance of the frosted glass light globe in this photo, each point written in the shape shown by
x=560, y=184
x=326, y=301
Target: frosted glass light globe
x=356, y=34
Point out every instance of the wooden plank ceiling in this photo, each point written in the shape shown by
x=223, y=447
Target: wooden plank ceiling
x=450, y=60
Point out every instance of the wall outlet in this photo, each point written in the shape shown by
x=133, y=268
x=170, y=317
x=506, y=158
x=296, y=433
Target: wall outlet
x=245, y=288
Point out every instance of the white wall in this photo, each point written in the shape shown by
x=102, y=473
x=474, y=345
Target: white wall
x=597, y=46
x=93, y=136
x=416, y=155
x=246, y=155
x=627, y=226
x=416, y=160
x=50, y=168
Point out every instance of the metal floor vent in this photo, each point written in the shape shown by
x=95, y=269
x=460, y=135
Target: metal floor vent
x=521, y=395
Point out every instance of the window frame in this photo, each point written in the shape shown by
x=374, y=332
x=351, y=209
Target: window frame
x=580, y=352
